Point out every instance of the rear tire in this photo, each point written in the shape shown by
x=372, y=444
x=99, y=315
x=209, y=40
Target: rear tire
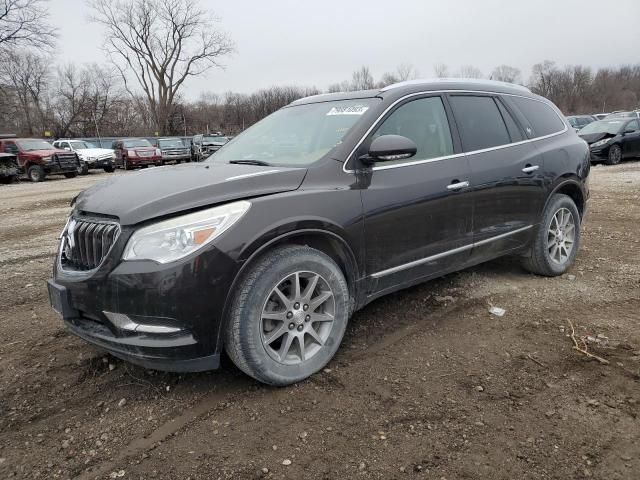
x=36, y=173
x=109, y=169
x=615, y=155
x=278, y=334
x=556, y=243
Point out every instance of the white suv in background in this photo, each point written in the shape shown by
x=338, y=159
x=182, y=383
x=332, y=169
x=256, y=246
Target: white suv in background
x=91, y=156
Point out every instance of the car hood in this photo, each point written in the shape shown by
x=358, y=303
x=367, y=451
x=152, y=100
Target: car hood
x=594, y=137
x=156, y=192
x=44, y=153
x=94, y=151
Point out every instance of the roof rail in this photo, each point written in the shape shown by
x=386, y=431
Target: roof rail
x=478, y=81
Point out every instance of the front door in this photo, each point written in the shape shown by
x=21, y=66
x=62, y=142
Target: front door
x=631, y=142
x=418, y=213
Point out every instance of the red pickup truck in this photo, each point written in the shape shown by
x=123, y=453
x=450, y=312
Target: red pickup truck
x=38, y=158
x=136, y=152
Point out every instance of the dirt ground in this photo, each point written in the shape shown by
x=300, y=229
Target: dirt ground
x=428, y=384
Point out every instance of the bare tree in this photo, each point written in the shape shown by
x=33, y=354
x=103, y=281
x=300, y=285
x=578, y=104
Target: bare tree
x=160, y=43
x=469, y=71
x=27, y=75
x=506, y=73
x=362, y=79
x=441, y=70
x=25, y=23
x=406, y=71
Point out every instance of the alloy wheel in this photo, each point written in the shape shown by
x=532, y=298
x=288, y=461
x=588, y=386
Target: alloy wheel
x=561, y=236
x=297, y=318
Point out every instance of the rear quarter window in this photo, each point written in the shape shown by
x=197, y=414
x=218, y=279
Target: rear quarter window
x=540, y=118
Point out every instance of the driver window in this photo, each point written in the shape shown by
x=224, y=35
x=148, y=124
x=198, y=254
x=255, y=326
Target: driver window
x=425, y=122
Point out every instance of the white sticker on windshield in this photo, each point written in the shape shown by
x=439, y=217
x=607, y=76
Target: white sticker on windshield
x=350, y=110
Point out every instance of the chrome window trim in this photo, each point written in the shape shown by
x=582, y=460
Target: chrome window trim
x=455, y=155
x=438, y=256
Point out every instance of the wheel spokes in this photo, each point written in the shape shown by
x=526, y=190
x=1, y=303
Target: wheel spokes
x=297, y=316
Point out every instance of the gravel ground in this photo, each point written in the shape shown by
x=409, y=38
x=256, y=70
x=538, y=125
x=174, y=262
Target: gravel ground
x=428, y=384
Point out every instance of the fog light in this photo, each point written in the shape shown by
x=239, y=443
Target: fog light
x=123, y=322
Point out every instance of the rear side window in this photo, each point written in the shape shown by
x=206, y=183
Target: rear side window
x=480, y=122
x=10, y=147
x=425, y=122
x=542, y=119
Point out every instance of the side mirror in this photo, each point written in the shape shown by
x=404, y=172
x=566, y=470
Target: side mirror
x=389, y=147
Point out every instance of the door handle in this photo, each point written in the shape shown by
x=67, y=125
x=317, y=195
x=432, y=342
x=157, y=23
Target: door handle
x=530, y=168
x=457, y=185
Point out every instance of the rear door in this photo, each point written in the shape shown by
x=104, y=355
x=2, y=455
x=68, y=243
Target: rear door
x=418, y=213
x=507, y=185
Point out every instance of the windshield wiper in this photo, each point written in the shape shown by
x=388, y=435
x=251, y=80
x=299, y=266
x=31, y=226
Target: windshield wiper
x=250, y=162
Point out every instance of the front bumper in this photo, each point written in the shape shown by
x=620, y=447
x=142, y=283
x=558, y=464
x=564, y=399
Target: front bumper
x=100, y=163
x=186, y=296
x=599, y=154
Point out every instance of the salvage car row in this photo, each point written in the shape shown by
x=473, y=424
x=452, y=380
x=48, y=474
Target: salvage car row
x=37, y=158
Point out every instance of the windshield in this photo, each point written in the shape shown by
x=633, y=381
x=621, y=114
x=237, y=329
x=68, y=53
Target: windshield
x=214, y=139
x=603, y=126
x=171, y=142
x=78, y=145
x=572, y=121
x=28, y=145
x=136, y=142
x=295, y=136
x=621, y=115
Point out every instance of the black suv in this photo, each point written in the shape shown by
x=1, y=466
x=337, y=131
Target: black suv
x=267, y=248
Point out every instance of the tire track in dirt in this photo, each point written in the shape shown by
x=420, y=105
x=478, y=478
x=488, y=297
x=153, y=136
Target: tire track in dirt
x=143, y=444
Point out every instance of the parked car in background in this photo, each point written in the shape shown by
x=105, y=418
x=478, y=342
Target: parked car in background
x=136, y=152
x=630, y=114
x=38, y=158
x=579, y=121
x=613, y=139
x=267, y=248
x=8, y=167
x=91, y=156
x=203, y=146
x=173, y=149
x=600, y=116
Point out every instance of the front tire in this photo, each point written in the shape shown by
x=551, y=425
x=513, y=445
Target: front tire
x=36, y=173
x=615, y=155
x=83, y=169
x=109, y=169
x=557, y=240
x=288, y=316
x=71, y=174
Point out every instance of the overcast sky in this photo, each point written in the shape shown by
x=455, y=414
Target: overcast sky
x=316, y=43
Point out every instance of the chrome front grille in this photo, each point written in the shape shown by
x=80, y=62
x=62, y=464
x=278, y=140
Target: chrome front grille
x=85, y=243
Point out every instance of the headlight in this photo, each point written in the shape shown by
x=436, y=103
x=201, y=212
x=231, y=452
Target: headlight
x=600, y=143
x=178, y=237
x=46, y=159
x=92, y=159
